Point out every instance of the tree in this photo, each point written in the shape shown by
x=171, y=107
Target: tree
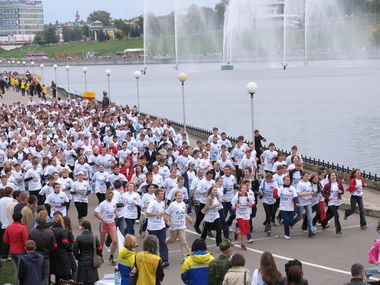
x=85, y=31
x=39, y=38
x=119, y=34
x=74, y=34
x=51, y=36
x=100, y=15
x=102, y=36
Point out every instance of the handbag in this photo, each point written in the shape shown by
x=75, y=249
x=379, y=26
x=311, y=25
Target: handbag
x=96, y=259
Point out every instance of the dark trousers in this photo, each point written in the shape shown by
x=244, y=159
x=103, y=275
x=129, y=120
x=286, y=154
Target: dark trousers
x=227, y=207
x=39, y=197
x=213, y=226
x=238, y=174
x=200, y=215
x=353, y=201
x=223, y=224
x=101, y=197
x=73, y=266
x=333, y=213
x=82, y=209
x=269, y=216
x=4, y=246
x=316, y=218
x=161, y=235
x=287, y=221
x=130, y=229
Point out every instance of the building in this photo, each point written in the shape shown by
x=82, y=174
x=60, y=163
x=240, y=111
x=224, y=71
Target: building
x=97, y=27
x=21, y=17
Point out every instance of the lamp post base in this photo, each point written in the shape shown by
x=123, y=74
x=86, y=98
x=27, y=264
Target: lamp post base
x=227, y=67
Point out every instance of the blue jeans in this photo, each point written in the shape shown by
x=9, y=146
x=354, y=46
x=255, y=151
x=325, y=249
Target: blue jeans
x=372, y=271
x=223, y=224
x=161, y=235
x=16, y=261
x=310, y=228
x=130, y=229
x=287, y=221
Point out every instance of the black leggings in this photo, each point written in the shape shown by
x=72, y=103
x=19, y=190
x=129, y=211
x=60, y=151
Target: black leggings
x=200, y=216
x=101, y=197
x=82, y=209
x=213, y=226
x=269, y=216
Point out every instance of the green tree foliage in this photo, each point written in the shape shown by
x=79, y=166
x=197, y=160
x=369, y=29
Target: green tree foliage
x=100, y=15
x=47, y=36
x=119, y=34
x=70, y=34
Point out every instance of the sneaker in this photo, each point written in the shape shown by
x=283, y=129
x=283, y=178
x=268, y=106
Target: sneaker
x=9, y=258
x=108, y=249
x=165, y=264
x=268, y=233
x=236, y=235
x=339, y=233
x=311, y=235
x=243, y=247
x=113, y=263
x=286, y=237
x=250, y=240
x=363, y=227
x=4, y=259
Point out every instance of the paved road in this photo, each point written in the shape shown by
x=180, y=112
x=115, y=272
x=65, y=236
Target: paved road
x=327, y=258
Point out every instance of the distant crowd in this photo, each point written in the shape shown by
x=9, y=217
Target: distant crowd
x=148, y=180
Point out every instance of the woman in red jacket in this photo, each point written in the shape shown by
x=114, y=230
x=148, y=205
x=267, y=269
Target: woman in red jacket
x=356, y=189
x=332, y=192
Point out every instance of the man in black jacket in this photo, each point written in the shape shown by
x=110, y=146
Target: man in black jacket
x=45, y=244
x=357, y=272
x=150, y=155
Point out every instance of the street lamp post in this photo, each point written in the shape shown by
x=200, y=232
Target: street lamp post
x=85, y=69
x=182, y=78
x=251, y=89
x=42, y=72
x=32, y=66
x=137, y=75
x=108, y=74
x=68, y=80
x=55, y=73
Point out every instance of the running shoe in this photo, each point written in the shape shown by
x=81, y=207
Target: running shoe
x=250, y=240
x=243, y=247
x=108, y=249
x=363, y=227
x=286, y=237
x=268, y=233
x=165, y=264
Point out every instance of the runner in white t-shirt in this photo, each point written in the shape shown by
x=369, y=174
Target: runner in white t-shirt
x=105, y=212
x=288, y=198
x=176, y=213
x=57, y=200
x=131, y=201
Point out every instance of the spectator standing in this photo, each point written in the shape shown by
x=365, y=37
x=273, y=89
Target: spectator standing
x=237, y=274
x=45, y=245
x=149, y=264
x=84, y=253
x=218, y=267
x=126, y=259
x=195, y=268
x=357, y=273
x=267, y=273
x=31, y=265
x=288, y=265
x=27, y=212
x=15, y=236
x=4, y=221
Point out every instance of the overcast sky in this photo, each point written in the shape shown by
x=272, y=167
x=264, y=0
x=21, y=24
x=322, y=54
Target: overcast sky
x=64, y=11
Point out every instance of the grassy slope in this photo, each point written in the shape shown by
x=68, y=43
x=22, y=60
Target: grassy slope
x=76, y=49
x=7, y=273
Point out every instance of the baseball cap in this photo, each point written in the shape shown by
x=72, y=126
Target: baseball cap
x=225, y=245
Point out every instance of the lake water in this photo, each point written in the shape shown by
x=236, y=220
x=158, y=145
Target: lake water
x=330, y=109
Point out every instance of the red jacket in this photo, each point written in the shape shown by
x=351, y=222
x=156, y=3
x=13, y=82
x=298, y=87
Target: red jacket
x=327, y=189
x=351, y=188
x=16, y=235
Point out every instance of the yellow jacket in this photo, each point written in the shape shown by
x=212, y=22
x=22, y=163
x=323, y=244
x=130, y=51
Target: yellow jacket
x=146, y=264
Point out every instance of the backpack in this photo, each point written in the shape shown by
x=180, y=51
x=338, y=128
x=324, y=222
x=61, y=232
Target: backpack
x=373, y=253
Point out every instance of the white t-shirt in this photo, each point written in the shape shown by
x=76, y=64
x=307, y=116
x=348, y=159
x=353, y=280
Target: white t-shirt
x=203, y=188
x=82, y=188
x=156, y=223
x=132, y=200
x=267, y=188
x=177, y=213
x=244, y=210
x=56, y=202
x=107, y=211
x=213, y=213
x=287, y=194
x=359, y=188
x=229, y=183
x=304, y=187
x=99, y=180
x=269, y=157
x=172, y=193
x=334, y=195
x=146, y=199
x=35, y=183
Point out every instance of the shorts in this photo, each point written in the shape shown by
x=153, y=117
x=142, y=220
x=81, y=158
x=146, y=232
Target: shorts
x=108, y=227
x=243, y=226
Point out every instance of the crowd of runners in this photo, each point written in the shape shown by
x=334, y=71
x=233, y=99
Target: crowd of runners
x=55, y=153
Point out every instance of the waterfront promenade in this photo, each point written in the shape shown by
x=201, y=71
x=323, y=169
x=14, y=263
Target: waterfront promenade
x=327, y=258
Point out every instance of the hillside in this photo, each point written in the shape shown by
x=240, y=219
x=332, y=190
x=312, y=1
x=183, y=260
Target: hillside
x=76, y=49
